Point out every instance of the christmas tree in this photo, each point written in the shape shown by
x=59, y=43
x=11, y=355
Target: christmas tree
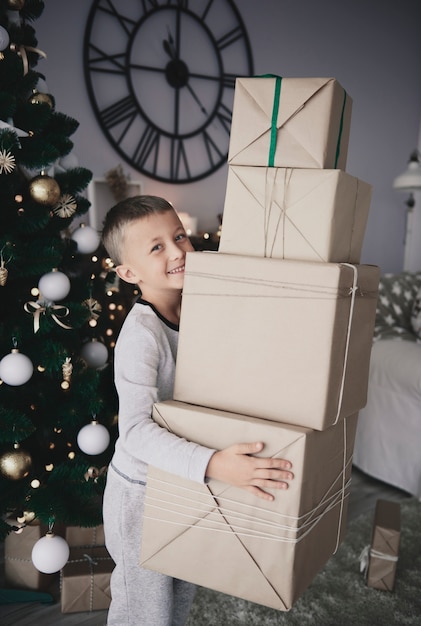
x=57, y=401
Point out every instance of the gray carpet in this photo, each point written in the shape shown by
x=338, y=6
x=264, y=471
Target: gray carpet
x=338, y=595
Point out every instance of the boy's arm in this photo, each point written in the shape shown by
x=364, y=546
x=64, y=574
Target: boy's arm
x=236, y=466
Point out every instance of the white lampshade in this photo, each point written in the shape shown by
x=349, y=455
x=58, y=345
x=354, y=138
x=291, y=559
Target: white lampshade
x=410, y=180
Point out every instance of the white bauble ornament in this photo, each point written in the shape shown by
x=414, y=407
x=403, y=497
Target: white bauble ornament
x=69, y=162
x=50, y=553
x=4, y=38
x=16, y=368
x=93, y=438
x=94, y=353
x=54, y=286
x=87, y=239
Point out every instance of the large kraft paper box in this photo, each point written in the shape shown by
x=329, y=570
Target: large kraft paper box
x=283, y=340
x=227, y=539
x=85, y=580
x=291, y=213
x=384, y=545
x=20, y=572
x=290, y=122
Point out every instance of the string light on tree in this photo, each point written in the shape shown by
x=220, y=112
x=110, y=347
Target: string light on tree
x=93, y=438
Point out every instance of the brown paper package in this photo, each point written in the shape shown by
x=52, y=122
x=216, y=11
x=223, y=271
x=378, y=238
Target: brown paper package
x=288, y=341
x=302, y=214
x=384, y=545
x=223, y=537
x=313, y=123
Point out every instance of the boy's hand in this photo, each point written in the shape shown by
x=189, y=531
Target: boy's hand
x=235, y=466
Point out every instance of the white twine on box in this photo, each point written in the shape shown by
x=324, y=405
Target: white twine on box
x=306, y=522
x=353, y=291
x=270, y=187
x=368, y=552
x=92, y=561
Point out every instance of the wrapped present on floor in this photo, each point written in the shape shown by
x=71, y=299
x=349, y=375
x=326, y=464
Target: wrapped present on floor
x=264, y=552
x=20, y=572
x=85, y=580
x=290, y=122
x=384, y=549
x=283, y=340
x=286, y=213
x=77, y=536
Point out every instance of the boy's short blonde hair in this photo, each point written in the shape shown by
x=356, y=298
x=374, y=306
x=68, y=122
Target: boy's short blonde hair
x=122, y=214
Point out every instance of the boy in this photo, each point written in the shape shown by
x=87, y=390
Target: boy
x=148, y=244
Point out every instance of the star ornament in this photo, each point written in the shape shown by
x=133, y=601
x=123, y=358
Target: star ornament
x=7, y=162
x=66, y=206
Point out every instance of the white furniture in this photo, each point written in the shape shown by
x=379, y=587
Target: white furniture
x=388, y=440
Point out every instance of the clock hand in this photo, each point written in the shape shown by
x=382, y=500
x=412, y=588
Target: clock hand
x=169, y=45
x=194, y=96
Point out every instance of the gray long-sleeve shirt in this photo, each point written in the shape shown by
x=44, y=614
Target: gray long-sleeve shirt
x=144, y=366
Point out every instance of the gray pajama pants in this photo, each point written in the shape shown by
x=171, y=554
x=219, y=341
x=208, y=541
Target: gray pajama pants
x=140, y=597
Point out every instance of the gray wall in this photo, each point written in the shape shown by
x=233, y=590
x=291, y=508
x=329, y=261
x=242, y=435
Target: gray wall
x=372, y=47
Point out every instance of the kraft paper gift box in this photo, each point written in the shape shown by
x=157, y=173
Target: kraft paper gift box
x=20, y=572
x=77, y=536
x=283, y=340
x=384, y=549
x=225, y=538
x=85, y=580
x=290, y=122
x=286, y=213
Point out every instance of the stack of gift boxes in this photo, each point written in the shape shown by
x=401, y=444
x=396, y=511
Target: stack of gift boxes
x=84, y=580
x=275, y=338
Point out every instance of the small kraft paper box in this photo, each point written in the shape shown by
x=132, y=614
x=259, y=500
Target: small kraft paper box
x=85, y=580
x=20, y=572
x=384, y=549
x=283, y=340
x=225, y=538
x=290, y=122
x=286, y=213
x=77, y=536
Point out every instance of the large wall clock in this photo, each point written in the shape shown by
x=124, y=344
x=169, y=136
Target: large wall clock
x=160, y=76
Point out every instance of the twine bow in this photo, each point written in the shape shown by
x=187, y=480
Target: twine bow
x=95, y=473
x=367, y=552
x=56, y=311
x=21, y=51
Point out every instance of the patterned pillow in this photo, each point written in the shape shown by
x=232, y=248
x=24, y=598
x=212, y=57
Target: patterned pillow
x=416, y=316
x=396, y=297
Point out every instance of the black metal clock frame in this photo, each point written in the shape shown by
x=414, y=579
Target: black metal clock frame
x=125, y=115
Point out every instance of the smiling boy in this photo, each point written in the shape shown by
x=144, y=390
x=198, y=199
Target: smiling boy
x=148, y=244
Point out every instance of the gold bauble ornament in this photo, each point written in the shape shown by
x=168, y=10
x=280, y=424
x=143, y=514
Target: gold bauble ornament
x=44, y=189
x=15, y=464
x=16, y=5
x=42, y=98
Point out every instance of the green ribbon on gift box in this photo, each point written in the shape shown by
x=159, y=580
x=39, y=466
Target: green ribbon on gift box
x=275, y=111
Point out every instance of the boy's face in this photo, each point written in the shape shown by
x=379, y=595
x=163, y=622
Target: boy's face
x=154, y=251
